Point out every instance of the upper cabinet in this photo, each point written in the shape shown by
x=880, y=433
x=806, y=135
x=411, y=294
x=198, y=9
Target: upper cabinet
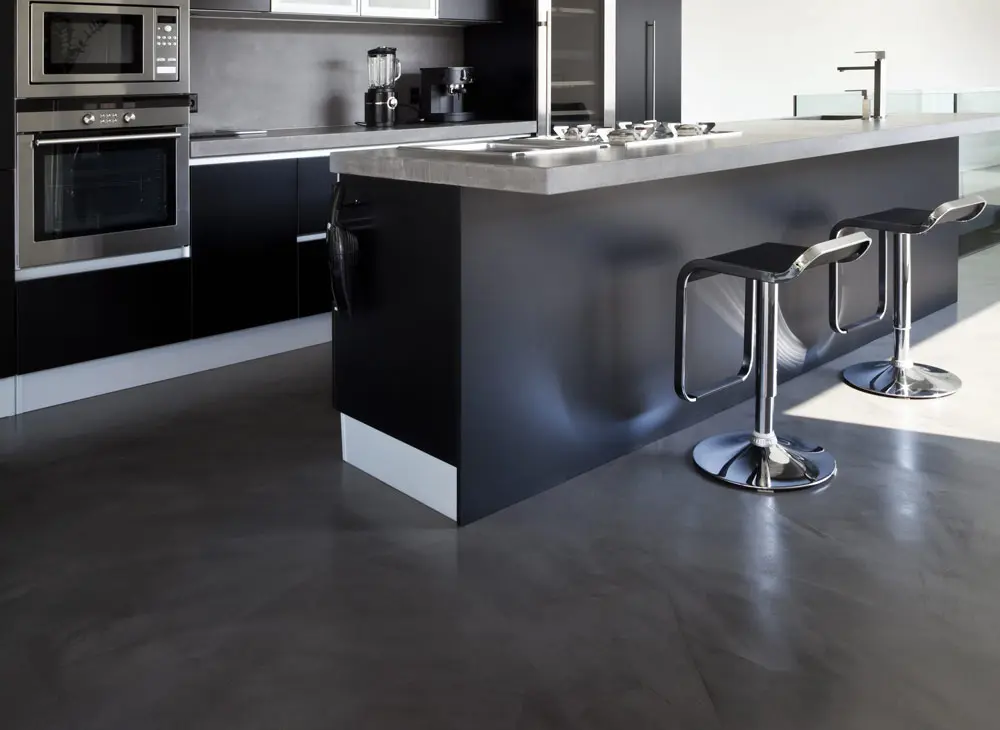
x=317, y=7
x=477, y=10
x=648, y=56
x=400, y=8
x=364, y=8
x=253, y=6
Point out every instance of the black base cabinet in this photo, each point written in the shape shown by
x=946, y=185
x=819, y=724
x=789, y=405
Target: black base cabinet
x=315, y=196
x=243, y=248
x=70, y=319
x=8, y=342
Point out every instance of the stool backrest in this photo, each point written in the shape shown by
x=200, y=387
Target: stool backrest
x=958, y=211
x=835, y=251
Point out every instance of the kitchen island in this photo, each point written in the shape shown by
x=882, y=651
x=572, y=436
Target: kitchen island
x=513, y=318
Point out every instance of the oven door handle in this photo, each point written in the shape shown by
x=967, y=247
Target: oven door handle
x=110, y=138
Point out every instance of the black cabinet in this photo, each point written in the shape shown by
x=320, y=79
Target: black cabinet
x=479, y=10
x=8, y=343
x=263, y=6
x=243, y=245
x=64, y=320
x=315, y=190
x=648, y=60
x=315, y=195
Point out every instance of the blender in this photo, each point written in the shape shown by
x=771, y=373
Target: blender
x=380, y=99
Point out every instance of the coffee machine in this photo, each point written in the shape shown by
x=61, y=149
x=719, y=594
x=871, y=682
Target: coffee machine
x=384, y=69
x=442, y=93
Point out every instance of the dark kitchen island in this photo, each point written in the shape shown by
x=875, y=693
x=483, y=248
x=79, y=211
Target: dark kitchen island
x=513, y=319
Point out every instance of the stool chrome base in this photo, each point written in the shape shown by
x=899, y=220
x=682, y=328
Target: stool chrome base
x=916, y=382
x=788, y=464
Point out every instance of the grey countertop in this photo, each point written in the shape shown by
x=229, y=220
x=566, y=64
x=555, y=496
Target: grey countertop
x=282, y=141
x=762, y=142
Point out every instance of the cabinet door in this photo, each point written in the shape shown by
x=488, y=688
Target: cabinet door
x=260, y=6
x=243, y=249
x=64, y=320
x=580, y=80
x=648, y=76
x=400, y=8
x=315, y=194
x=317, y=7
x=7, y=342
x=468, y=9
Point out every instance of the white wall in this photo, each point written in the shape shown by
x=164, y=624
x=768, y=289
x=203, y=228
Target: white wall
x=745, y=60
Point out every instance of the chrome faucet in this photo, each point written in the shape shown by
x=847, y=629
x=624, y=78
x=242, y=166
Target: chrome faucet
x=878, y=67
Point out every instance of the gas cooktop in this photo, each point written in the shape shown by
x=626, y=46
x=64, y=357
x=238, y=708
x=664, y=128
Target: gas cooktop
x=641, y=134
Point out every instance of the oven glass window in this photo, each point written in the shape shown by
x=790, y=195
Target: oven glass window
x=92, y=43
x=85, y=189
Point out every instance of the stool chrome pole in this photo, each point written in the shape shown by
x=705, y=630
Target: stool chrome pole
x=760, y=459
x=901, y=377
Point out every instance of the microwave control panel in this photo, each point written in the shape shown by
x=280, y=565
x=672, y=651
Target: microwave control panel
x=168, y=44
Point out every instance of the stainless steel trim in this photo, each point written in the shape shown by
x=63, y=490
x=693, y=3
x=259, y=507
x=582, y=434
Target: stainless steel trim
x=651, y=69
x=309, y=237
x=544, y=63
x=114, y=262
x=49, y=141
x=328, y=151
x=29, y=253
x=30, y=56
x=610, y=60
x=68, y=121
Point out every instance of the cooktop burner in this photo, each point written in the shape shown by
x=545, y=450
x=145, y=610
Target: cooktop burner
x=632, y=134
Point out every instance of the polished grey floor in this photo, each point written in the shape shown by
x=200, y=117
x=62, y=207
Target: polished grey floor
x=194, y=555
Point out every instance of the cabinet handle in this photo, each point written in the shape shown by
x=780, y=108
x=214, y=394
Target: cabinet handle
x=650, y=69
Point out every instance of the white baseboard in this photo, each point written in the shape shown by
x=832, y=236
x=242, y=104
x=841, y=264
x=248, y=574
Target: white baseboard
x=8, y=397
x=421, y=476
x=98, y=377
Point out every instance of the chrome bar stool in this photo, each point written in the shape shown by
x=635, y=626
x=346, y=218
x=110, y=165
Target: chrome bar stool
x=899, y=377
x=759, y=459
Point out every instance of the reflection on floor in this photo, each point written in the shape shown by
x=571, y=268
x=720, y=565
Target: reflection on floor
x=200, y=558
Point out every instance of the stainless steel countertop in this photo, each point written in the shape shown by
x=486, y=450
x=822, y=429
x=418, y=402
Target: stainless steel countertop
x=280, y=141
x=763, y=142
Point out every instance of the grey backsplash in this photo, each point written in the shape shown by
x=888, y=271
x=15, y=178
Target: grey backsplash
x=273, y=74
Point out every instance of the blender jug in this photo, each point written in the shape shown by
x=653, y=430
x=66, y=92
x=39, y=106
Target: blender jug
x=383, y=68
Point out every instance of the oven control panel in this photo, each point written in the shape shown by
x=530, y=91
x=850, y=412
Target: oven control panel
x=100, y=118
x=168, y=43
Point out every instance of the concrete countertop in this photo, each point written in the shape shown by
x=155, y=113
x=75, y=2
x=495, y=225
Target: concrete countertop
x=282, y=141
x=763, y=142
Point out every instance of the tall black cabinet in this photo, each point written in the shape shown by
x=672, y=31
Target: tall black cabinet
x=648, y=51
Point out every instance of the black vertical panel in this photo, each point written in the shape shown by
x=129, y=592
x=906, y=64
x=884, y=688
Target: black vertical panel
x=8, y=52
x=64, y=320
x=504, y=56
x=568, y=304
x=243, y=249
x=7, y=328
x=635, y=39
x=396, y=364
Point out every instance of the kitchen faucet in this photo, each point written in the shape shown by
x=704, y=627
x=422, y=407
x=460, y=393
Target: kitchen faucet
x=878, y=67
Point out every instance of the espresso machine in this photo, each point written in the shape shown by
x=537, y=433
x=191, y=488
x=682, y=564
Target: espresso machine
x=442, y=93
x=384, y=69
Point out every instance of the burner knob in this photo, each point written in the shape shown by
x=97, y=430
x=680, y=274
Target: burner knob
x=89, y=119
x=129, y=117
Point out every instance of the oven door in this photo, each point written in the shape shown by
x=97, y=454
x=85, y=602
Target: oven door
x=88, y=50
x=93, y=196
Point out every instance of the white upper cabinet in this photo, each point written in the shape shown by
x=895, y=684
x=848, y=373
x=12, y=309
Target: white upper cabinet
x=400, y=8
x=317, y=7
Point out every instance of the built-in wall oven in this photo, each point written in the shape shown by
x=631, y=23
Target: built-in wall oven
x=101, y=48
x=101, y=180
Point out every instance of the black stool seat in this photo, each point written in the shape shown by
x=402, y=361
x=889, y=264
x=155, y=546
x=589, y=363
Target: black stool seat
x=778, y=262
x=895, y=220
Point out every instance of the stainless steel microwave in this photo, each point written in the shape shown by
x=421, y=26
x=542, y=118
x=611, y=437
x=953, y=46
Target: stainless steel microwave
x=101, y=48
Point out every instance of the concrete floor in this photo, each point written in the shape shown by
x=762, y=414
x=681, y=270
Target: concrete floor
x=194, y=555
